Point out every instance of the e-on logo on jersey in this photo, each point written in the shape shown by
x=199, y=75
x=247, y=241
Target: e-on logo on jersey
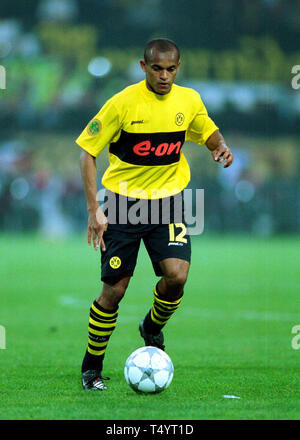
x=94, y=127
x=145, y=148
x=115, y=262
x=179, y=119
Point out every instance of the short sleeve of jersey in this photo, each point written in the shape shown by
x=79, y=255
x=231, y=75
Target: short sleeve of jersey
x=202, y=126
x=101, y=130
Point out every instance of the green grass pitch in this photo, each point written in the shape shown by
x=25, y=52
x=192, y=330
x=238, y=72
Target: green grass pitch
x=231, y=336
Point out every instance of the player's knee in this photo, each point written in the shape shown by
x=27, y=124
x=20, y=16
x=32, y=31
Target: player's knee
x=118, y=290
x=177, y=274
x=112, y=293
x=176, y=279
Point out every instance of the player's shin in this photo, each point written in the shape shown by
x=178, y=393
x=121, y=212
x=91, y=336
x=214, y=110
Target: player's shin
x=102, y=323
x=160, y=313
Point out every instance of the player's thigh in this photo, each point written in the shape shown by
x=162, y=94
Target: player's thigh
x=169, y=241
x=118, y=261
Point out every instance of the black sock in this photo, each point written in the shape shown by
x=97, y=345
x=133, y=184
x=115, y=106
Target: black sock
x=91, y=362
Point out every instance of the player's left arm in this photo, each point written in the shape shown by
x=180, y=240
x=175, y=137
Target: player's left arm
x=219, y=150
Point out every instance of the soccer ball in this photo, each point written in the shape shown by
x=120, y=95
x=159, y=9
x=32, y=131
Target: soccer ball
x=148, y=370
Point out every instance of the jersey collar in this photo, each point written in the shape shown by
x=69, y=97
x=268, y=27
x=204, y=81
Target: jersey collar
x=153, y=95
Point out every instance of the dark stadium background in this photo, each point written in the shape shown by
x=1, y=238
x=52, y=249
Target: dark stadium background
x=237, y=332
x=237, y=54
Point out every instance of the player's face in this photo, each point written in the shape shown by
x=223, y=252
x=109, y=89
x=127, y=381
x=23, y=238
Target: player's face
x=161, y=70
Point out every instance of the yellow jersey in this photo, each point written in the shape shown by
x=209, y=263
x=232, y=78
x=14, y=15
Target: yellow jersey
x=145, y=133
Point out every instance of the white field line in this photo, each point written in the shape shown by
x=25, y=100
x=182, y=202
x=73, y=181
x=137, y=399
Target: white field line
x=74, y=302
x=131, y=313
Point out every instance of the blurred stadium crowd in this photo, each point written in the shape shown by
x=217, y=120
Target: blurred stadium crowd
x=64, y=58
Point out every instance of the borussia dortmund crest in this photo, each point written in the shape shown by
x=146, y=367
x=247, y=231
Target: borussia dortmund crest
x=179, y=119
x=115, y=262
x=94, y=127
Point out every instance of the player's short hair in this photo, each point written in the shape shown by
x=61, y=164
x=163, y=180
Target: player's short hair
x=162, y=45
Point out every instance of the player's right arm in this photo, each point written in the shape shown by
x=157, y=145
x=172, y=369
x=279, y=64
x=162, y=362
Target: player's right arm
x=100, y=131
x=97, y=222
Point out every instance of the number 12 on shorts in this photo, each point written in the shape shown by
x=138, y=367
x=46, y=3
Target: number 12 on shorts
x=180, y=236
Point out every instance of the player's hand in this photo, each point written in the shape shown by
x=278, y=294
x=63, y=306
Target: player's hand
x=223, y=154
x=97, y=225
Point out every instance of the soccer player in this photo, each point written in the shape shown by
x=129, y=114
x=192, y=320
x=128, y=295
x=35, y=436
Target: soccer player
x=145, y=127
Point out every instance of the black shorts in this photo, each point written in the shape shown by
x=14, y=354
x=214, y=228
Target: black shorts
x=164, y=234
